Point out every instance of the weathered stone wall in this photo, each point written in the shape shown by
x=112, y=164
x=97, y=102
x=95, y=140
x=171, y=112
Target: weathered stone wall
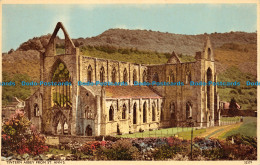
x=33, y=109
x=126, y=125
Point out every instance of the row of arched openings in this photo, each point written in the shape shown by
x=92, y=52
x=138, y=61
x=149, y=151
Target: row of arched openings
x=113, y=75
x=124, y=109
x=188, y=110
x=125, y=75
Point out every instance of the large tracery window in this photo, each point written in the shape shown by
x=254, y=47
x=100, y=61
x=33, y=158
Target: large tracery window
x=61, y=93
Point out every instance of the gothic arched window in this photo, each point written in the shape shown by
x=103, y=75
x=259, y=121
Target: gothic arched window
x=111, y=113
x=188, y=110
x=134, y=114
x=144, y=112
x=36, y=110
x=172, y=76
x=144, y=76
x=114, y=75
x=153, y=111
x=125, y=76
x=102, y=74
x=134, y=76
x=156, y=77
x=188, y=77
x=124, y=112
x=89, y=73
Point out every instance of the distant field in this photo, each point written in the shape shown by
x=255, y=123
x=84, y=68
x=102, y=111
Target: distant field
x=167, y=132
x=237, y=118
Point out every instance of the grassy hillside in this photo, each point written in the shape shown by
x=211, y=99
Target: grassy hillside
x=234, y=62
x=237, y=62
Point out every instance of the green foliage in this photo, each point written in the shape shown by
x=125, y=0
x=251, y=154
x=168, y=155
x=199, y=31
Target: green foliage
x=18, y=90
x=233, y=119
x=213, y=154
x=120, y=150
x=164, y=152
x=125, y=54
x=186, y=58
x=130, y=55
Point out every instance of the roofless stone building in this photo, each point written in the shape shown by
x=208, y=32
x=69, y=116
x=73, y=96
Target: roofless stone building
x=107, y=110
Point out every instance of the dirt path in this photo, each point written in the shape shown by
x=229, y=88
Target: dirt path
x=215, y=132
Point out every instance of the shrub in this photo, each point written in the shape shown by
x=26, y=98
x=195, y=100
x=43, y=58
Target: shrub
x=20, y=136
x=120, y=150
x=90, y=147
x=164, y=152
x=241, y=139
x=107, y=138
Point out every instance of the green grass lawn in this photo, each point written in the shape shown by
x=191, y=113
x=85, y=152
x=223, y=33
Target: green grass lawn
x=187, y=134
x=248, y=128
x=167, y=132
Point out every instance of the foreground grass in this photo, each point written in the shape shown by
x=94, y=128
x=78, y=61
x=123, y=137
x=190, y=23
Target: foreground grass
x=58, y=151
x=248, y=128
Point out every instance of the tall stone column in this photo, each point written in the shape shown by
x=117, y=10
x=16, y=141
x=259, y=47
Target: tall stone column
x=98, y=124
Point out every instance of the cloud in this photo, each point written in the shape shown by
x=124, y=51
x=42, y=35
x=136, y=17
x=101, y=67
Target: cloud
x=139, y=27
x=121, y=26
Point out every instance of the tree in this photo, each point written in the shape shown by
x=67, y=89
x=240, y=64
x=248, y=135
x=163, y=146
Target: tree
x=233, y=108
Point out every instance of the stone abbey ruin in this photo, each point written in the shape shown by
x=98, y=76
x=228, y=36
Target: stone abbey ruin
x=108, y=110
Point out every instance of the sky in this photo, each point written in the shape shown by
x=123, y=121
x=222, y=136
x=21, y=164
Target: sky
x=22, y=21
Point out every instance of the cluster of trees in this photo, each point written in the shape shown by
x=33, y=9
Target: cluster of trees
x=112, y=49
